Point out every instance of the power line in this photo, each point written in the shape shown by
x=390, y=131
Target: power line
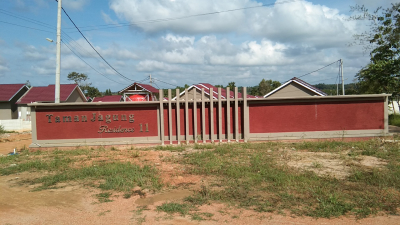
x=93, y=47
x=107, y=26
x=25, y=27
x=317, y=69
x=165, y=82
x=88, y=63
x=26, y=19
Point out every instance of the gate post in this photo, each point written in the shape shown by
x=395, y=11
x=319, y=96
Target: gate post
x=245, y=117
x=161, y=99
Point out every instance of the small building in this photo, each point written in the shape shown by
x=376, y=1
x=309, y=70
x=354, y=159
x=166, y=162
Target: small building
x=295, y=87
x=108, y=98
x=9, y=95
x=139, y=92
x=68, y=93
x=197, y=88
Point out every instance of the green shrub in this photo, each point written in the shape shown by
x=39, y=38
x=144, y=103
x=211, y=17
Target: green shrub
x=394, y=119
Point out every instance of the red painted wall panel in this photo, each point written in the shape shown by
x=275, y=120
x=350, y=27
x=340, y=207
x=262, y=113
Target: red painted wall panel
x=328, y=116
x=48, y=128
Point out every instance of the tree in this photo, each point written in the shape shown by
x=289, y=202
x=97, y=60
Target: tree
x=78, y=78
x=267, y=86
x=107, y=92
x=382, y=74
x=231, y=85
x=92, y=92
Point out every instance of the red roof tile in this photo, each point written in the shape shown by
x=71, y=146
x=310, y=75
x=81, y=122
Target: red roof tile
x=8, y=91
x=146, y=87
x=111, y=98
x=46, y=94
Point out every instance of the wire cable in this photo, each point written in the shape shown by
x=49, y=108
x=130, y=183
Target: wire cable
x=94, y=48
x=88, y=63
x=25, y=27
x=317, y=69
x=27, y=19
x=165, y=82
x=107, y=26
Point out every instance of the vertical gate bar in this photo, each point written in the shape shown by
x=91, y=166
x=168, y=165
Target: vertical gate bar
x=236, y=115
x=169, y=116
x=211, y=115
x=178, y=118
x=386, y=116
x=203, y=116
x=161, y=99
x=245, y=117
x=186, y=116
x=194, y=115
x=228, y=114
x=219, y=116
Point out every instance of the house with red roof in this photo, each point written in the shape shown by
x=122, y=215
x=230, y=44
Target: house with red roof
x=139, y=92
x=68, y=93
x=197, y=88
x=9, y=95
x=295, y=87
x=108, y=98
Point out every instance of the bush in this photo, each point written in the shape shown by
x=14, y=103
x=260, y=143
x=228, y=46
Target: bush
x=2, y=130
x=394, y=119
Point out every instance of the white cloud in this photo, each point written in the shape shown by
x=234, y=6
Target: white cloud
x=3, y=66
x=107, y=18
x=135, y=11
x=75, y=4
x=208, y=50
x=151, y=66
x=299, y=21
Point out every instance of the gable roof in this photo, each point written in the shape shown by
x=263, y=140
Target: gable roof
x=145, y=87
x=301, y=83
x=109, y=98
x=8, y=91
x=46, y=94
x=207, y=88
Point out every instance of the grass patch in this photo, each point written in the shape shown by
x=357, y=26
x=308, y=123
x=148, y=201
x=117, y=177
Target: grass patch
x=77, y=165
x=115, y=176
x=248, y=175
x=104, y=197
x=172, y=148
x=173, y=207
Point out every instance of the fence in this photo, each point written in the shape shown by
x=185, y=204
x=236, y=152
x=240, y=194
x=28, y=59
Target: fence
x=202, y=119
x=16, y=125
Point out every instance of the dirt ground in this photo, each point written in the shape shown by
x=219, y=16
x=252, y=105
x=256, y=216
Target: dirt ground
x=75, y=204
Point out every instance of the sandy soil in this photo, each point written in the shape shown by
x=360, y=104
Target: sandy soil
x=75, y=204
x=9, y=141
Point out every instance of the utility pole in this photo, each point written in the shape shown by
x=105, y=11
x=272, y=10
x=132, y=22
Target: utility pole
x=341, y=72
x=151, y=81
x=58, y=63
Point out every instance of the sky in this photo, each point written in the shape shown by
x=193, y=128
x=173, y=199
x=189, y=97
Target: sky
x=181, y=42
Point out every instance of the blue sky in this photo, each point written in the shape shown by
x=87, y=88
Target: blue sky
x=275, y=42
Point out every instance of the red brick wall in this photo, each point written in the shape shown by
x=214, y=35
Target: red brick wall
x=321, y=116
x=96, y=129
